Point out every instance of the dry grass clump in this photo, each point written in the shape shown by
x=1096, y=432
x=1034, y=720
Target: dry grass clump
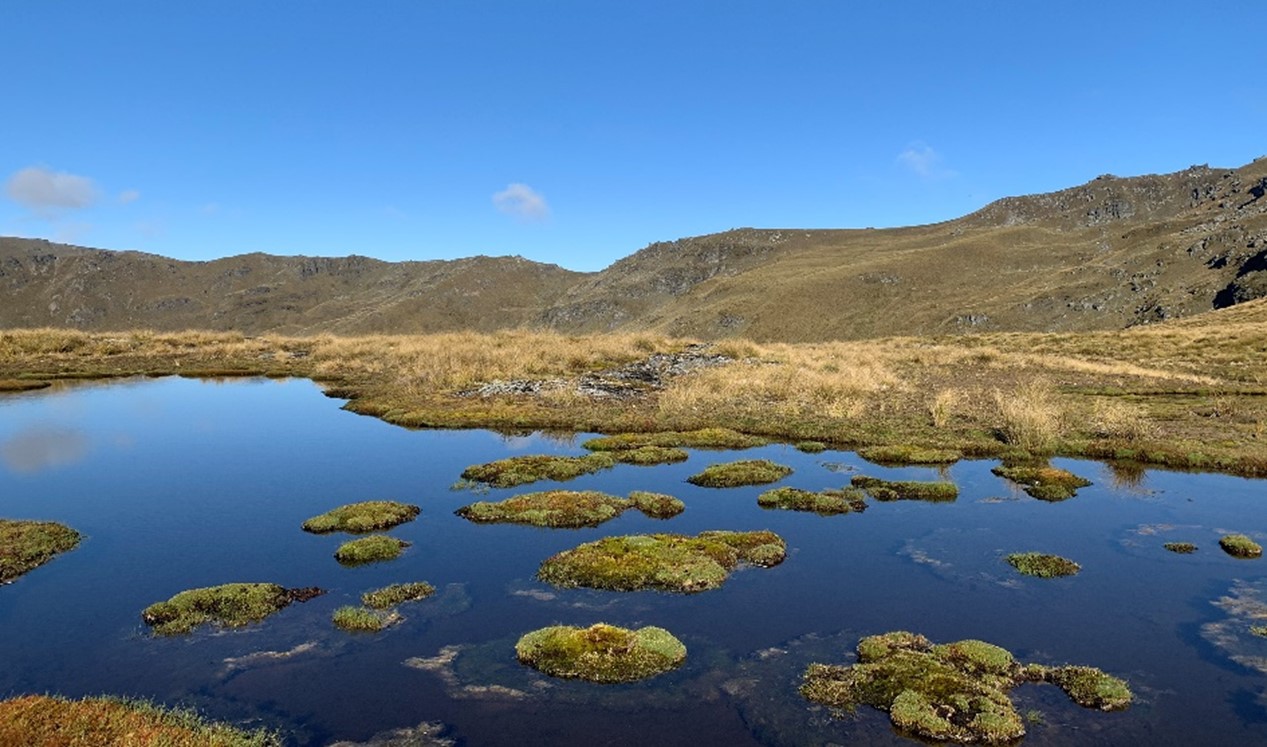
x=49, y=721
x=1032, y=416
x=1119, y=421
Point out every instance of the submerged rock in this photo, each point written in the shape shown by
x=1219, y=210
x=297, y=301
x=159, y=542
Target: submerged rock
x=665, y=562
x=601, y=653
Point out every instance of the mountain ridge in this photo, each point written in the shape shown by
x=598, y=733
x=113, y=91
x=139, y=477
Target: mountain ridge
x=1111, y=253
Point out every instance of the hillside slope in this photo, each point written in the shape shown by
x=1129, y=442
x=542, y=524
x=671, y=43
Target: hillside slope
x=1107, y=255
x=1113, y=253
x=47, y=284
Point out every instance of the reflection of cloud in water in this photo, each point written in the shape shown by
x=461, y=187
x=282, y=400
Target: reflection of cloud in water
x=43, y=447
x=1234, y=635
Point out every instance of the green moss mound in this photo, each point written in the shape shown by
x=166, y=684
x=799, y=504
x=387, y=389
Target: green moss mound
x=363, y=620
x=956, y=692
x=93, y=722
x=906, y=490
x=227, y=605
x=705, y=438
x=811, y=447
x=521, y=470
x=1042, y=566
x=650, y=455
x=372, y=549
x=1089, y=687
x=656, y=505
x=26, y=545
x=390, y=596
x=824, y=502
x=1044, y=482
x=905, y=454
x=569, y=508
x=601, y=652
x=358, y=518
x=1240, y=546
x=1183, y=548
x=742, y=472
x=664, y=562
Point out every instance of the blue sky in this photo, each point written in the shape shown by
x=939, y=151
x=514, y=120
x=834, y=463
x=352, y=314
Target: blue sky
x=578, y=131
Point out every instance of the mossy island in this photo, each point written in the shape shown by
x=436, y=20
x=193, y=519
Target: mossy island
x=364, y=620
x=228, y=605
x=378, y=610
x=1042, y=566
x=397, y=594
x=901, y=454
x=568, y=508
x=823, y=502
x=1182, y=548
x=906, y=490
x=663, y=562
x=810, y=447
x=704, y=438
x=1043, y=481
x=646, y=456
x=521, y=470
x=1240, y=546
x=372, y=549
x=27, y=545
x=740, y=473
x=601, y=652
x=97, y=721
x=359, y=518
x=957, y=692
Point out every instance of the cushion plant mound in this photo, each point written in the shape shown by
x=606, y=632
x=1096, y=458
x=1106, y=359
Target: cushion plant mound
x=705, y=438
x=810, y=447
x=390, y=596
x=371, y=549
x=1042, y=566
x=823, y=502
x=649, y=455
x=358, y=518
x=1088, y=686
x=656, y=505
x=1044, y=482
x=227, y=605
x=955, y=692
x=363, y=620
x=551, y=508
x=742, y=472
x=93, y=722
x=665, y=562
x=905, y=454
x=26, y=545
x=601, y=653
x=507, y=473
x=1183, y=548
x=1240, y=546
x=905, y=490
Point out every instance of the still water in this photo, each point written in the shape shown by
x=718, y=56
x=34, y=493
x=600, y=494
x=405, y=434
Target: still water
x=179, y=484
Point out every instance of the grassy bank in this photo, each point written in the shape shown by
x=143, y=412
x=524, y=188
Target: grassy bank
x=1184, y=395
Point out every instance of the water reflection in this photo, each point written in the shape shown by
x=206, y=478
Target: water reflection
x=43, y=447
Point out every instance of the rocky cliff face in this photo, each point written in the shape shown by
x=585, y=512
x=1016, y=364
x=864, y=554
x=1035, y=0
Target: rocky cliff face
x=1109, y=254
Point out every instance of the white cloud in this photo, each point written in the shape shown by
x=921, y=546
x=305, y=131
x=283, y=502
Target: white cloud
x=49, y=193
x=522, y=201
x=920, y=159
x=129, y=195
